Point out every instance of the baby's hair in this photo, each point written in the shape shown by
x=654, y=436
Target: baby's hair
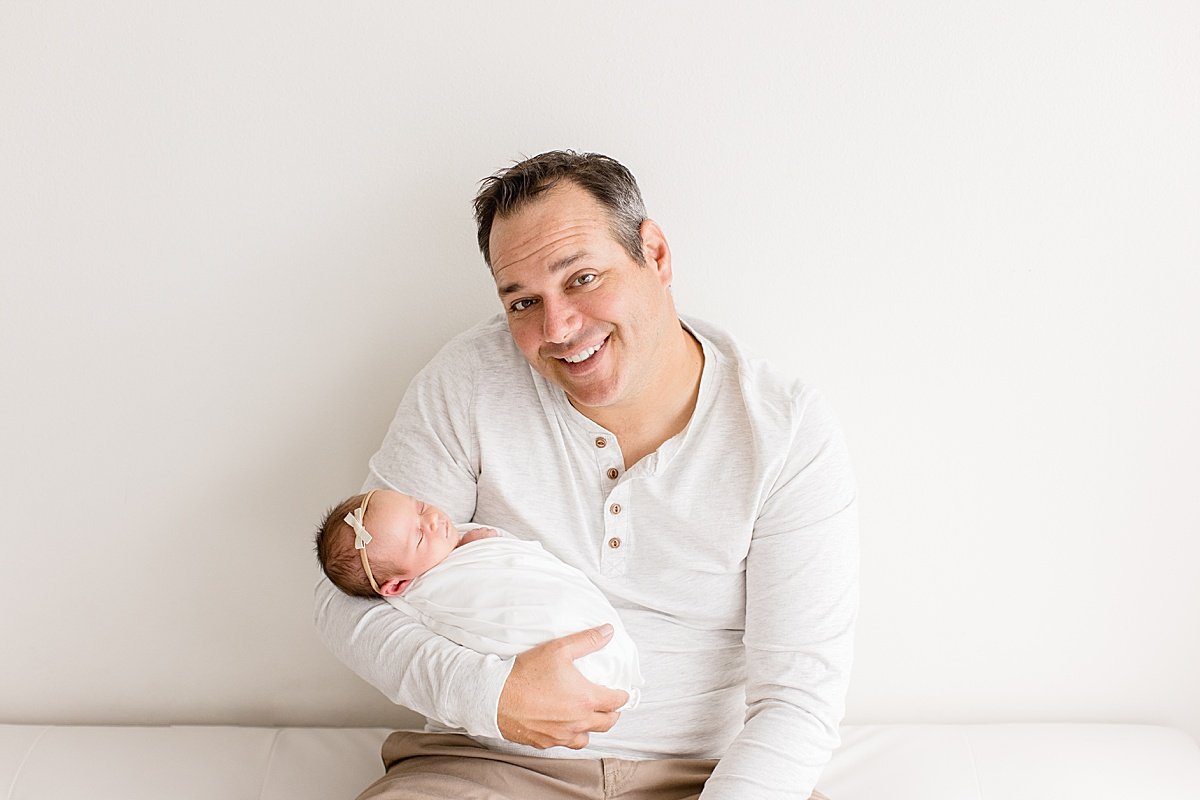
x=336, y=553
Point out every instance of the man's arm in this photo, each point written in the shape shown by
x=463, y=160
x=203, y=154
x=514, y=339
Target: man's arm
x=801, y=603
x=431, y=452
x=546, y=703
x=409, y=664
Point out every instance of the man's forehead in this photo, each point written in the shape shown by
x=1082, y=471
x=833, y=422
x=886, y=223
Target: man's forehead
x=508, y=280
x=549, y=220
x=544, y=250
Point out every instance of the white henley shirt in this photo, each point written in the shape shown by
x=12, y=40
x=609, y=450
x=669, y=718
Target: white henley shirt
x=730, y=553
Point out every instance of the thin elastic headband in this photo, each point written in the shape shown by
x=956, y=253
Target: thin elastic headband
x=362, y=538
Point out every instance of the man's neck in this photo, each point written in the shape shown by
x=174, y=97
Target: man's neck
x=661, y=412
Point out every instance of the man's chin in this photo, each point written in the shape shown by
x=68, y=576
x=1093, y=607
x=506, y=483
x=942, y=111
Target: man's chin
x=590, y=390
x=589, y=397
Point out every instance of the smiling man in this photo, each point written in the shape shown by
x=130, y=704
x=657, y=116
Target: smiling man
x=708, y=497
x=596, y=319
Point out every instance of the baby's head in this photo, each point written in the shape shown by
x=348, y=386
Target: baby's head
x=376, y=543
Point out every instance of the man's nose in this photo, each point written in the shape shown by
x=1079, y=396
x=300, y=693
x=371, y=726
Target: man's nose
x=560, y=320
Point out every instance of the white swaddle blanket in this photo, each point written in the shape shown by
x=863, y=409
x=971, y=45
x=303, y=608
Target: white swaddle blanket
x=503, y=595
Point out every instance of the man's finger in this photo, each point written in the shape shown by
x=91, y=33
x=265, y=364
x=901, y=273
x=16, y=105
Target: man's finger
x=578, y=645
x=607, y=700
x=602, y=721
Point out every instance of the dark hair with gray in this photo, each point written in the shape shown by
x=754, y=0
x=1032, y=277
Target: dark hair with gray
x=604, y=178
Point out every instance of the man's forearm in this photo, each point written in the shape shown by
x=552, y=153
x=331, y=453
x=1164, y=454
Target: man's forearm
x=409, y=664
x=799, y=650
x=778, y=756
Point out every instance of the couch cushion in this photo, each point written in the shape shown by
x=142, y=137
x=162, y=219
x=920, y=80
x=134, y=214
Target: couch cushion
x=899, y=762
x=134, y=762
x=1013, y=762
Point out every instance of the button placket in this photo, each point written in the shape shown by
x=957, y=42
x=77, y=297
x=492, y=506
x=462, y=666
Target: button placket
x=608, y=455
x=614, y=542
x=614, y=547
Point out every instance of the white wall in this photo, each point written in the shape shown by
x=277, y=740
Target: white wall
x=231, y=232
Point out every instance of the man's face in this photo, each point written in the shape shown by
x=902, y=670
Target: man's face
x=584, y=314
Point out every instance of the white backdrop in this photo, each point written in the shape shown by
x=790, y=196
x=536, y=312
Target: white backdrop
x=230, y=233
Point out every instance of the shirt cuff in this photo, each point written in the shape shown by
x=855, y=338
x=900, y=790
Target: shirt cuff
x=481, y=705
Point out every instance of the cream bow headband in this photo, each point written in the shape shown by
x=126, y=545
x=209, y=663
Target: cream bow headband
x=362, y=538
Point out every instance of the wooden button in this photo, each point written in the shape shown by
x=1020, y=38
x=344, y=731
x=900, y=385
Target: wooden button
x=612, y=474
x=615, y=508
x=614, y=543
x=601, y=441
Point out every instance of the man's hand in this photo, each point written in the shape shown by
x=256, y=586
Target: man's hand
x=546, y=702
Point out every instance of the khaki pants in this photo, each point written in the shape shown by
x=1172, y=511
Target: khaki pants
x=438, y=766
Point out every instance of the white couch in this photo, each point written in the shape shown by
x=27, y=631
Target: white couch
x=896, y=762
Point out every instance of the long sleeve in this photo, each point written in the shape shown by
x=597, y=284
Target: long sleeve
x=410, y=665
x=801, y=603
x=429, y=452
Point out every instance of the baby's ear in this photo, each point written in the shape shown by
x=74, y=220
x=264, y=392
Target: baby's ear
x=394, y=587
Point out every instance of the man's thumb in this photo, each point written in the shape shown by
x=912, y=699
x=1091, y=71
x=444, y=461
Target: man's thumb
x=578, y=645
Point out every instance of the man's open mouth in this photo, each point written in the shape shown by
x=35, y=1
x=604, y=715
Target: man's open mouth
x=584, y=355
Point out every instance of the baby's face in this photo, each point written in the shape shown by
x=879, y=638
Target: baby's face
x=409, y=533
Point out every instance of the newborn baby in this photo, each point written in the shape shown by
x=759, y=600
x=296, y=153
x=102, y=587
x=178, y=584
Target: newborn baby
x=479, y=587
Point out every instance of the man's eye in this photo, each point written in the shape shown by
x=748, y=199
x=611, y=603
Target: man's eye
x=522, y=304
x=585, y=278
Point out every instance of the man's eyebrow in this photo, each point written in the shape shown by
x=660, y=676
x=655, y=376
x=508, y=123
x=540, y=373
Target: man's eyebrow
x=557, y=266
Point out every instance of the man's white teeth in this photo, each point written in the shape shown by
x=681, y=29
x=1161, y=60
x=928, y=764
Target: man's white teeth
x=583, y=355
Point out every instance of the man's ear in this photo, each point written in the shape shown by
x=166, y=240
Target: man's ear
x=655, y=250
x=394, y=587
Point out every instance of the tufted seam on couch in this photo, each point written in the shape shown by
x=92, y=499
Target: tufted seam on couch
x=262, y=789
x=12, y=787
x=966, y=733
